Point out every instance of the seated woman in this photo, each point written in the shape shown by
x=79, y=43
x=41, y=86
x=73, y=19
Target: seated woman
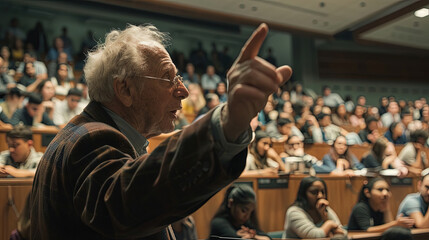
x=47, y=90
x=340, y=116
x=357, y=119
x=310, y=215
x=262, y=159
x=372, y=212
x=383, y=156
x=236, y=216
x=339, y=161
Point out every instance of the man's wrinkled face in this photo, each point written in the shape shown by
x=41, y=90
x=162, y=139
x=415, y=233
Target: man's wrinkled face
x=156, y=102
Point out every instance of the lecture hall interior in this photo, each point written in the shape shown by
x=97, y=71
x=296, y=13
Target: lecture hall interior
x=360, y=76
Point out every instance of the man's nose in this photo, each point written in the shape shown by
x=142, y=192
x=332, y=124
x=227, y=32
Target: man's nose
x=181, y=91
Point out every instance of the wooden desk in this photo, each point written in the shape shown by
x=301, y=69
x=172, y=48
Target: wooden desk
x=41, y=137
x=17, y=190
x=272, y=203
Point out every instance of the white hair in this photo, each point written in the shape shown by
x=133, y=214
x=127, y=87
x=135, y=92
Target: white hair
x=119, y=57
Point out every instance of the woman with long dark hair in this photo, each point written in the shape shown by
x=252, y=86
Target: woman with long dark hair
x=339, y=161
x=262, y=158
x=372, y=212
x=236, y=216
x=310, y=215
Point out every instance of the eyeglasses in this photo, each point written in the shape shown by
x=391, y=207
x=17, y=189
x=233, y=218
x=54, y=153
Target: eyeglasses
x=175, y=82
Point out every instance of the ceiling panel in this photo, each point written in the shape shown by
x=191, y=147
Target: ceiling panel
x=407, y=30
x=323, y=16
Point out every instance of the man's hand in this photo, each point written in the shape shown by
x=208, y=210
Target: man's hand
x=251, y=81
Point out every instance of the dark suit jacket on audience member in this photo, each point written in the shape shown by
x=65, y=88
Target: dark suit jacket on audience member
x=91, y=184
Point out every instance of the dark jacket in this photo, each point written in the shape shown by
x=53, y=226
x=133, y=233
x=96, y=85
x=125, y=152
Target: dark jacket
x=90, y=183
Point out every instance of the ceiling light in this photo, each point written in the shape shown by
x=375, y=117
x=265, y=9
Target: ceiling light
x=421, y=13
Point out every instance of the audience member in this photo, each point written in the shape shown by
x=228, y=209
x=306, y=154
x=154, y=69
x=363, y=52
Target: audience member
x=280, y=129
x=68, y=108
x=195, y=102
x=236, y=217
x=46, y=89
x=415, y=205
x=328, y=132
x=53, y=66
x=62, y=80
x=17, y=50
x=14, y=30
x=372, y=212
x=221, y=92
x=6, y=81
x=383, y=156
x=210, y=79
x=296, y=160
x=357, y=119
x=396, y=133
x=262, y=158
x=297, y=93
x=212, y=100
x=392, y=114
x=29, y=79
x=32, y=114
x=8, y=62
x=21, y=159
x=413, y=154
x=310, y=216
x=40, y=67
x=370, y=133
x=13, y=101
x=56, y=49
x=68, y=43
x=190, y=76
x=339, y=161
x=331, y=99
x=384, y=102
x=340, y=116
x=37, y=38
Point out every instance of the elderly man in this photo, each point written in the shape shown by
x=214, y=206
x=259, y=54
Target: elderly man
x=96, y=181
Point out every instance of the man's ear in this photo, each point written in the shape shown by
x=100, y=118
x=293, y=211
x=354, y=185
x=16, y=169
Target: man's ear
x=30, y=142
x=121, y=88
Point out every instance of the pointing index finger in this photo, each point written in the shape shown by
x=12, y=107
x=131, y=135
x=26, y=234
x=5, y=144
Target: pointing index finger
x=251, y=49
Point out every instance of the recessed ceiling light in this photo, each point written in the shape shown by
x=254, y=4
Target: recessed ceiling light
x=421, y=13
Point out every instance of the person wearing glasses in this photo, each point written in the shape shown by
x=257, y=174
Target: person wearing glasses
x=66, y=109
x=262, y=159
x=310, y=216
x=96, y=179
x=372, y=212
